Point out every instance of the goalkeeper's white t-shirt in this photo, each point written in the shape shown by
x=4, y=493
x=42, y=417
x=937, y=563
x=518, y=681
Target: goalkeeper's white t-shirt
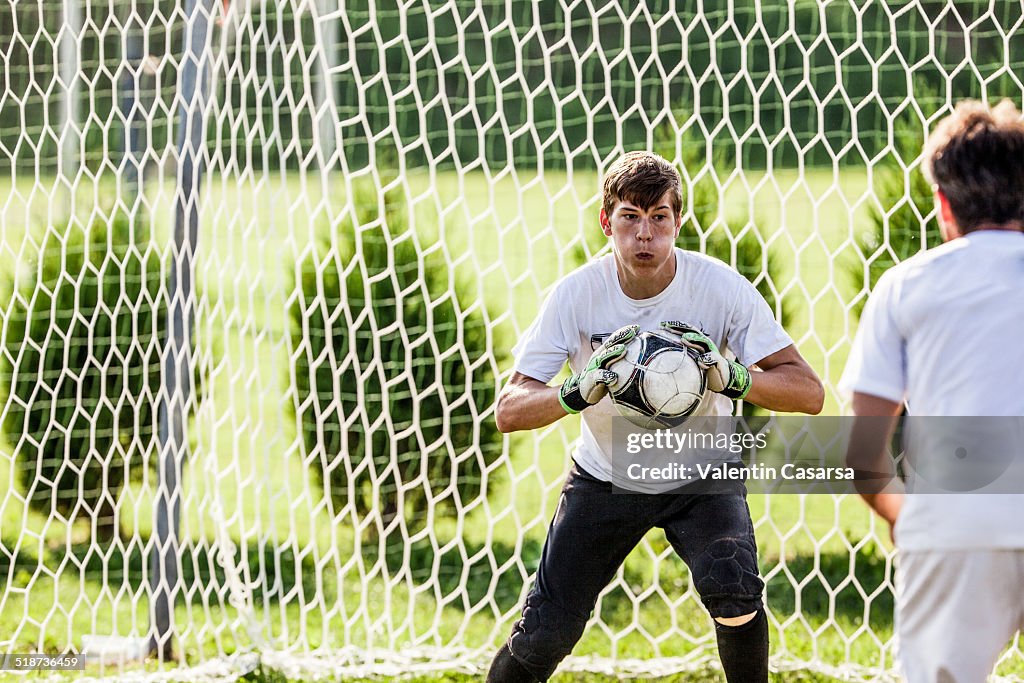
x=589, y=304
x=944, y=331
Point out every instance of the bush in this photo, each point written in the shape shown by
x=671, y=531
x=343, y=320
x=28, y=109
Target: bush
x=81, y=368
x=903, y=221
x=395, y=375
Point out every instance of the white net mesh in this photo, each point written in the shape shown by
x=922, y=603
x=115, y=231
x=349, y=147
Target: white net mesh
x=263, y=264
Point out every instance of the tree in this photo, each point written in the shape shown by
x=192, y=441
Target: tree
x=81, y=367
x=395, y=376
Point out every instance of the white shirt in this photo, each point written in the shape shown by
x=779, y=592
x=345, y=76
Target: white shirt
x=589, y=304
x=944, y=331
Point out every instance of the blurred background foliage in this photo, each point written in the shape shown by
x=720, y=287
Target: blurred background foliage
x=518, y=84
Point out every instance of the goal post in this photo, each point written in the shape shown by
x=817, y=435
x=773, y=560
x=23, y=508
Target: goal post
x=264, y=264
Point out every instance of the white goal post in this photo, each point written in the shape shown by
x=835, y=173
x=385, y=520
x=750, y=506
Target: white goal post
x=263, y=264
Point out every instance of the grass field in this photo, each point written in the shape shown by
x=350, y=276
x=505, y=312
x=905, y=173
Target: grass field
x=250, y=498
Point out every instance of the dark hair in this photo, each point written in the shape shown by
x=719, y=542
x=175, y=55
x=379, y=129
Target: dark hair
x=641, y=178
x=976, y=158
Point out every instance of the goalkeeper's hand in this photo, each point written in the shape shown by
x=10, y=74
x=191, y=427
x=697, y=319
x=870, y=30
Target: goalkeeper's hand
x=725, y=377
x=590, y=385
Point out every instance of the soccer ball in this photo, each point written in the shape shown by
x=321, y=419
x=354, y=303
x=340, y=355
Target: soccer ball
x=659, y=382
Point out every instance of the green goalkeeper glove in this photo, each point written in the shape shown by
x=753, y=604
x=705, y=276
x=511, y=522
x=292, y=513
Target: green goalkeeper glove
x=726, y=377
x=590, y=385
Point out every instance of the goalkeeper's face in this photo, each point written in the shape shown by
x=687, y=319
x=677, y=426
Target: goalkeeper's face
x=643, y=239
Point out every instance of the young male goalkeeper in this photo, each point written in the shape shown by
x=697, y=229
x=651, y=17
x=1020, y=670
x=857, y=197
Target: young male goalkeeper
x=644, y=284
x=944, y=332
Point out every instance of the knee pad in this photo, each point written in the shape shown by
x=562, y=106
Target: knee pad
x=726, y=576
x=544, y=635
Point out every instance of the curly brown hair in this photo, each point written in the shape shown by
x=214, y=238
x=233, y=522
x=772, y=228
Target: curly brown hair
x=975, y=156
x=641, y=178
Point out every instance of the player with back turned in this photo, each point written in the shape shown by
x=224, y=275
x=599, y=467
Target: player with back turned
x=644, y=284
x=943, y=332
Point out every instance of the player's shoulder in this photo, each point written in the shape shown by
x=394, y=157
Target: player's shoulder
x=925, y=265
x=976, y=257
x=587, y=277
x=708, y=268
x=928, y=258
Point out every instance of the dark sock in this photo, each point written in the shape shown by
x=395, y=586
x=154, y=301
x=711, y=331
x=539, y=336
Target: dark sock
x=744, y=650
x=506, y=669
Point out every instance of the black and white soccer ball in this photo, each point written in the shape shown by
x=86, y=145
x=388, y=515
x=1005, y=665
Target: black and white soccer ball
x=659, y=381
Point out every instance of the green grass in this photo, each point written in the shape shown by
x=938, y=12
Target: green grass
x=246, y=483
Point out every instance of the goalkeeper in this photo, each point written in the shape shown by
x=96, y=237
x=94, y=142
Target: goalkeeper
x=586, y=321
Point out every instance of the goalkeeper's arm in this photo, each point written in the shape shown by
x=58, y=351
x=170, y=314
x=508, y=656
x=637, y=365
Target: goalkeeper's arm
x=785, y=382
x=528, y=403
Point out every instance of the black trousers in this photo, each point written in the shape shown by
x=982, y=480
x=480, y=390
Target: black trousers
x=593, y=531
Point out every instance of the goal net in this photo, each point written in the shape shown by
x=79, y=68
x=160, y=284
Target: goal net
x=264, y=263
